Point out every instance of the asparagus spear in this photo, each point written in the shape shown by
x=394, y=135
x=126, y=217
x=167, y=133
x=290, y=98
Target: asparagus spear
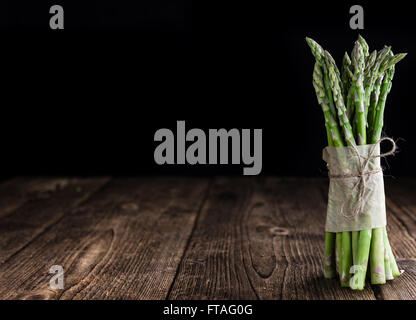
x=360, y=121
x=341, y=110
x=346, y=254
x=334, y=139
x=343, y=239
x=338, y=252
x=373, y=105
x=377, y=248
x=391, y=61
x=369, y=62
x=362, y=62
x=364, y=46
x=361, y=240
x=330, y=122
x=377, y=125
x=318, y=53
x=343, y=255
x=373, y=73
x=387, y=63
x=329, y=258
x=387, y=265
x=393, y=265
x=330, y=60
x=388, y=67
x=378, y=272
x=346, y=259
x=319, y=84
x=355, y=235
x=378, y=275
x=364, y=242
x=346, y=79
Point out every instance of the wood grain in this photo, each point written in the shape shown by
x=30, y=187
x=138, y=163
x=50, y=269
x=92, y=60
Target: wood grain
x=38, y=204
x=125, y=242
x=184, y=238
x=260, y=239
x=213, y=265
x=17, y=191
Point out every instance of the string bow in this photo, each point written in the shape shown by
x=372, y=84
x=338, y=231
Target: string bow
x=363, y=175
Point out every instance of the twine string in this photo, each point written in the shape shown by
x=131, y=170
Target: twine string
x=363, y=175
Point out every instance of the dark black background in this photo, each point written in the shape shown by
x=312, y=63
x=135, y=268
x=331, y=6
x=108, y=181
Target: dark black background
x=88, y=99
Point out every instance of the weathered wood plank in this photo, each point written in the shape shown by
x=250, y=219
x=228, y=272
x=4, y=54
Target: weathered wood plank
x=254, y=239
x=260, y=239
x=213, y=265
x=125, y=242
x=16, y=191
x=401, y=227
x=38, y=204
x=12, y=195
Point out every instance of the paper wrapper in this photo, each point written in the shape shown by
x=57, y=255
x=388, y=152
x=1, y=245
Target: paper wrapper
x=344, y=189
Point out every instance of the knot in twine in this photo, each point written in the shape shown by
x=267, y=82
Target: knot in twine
x=363, y=175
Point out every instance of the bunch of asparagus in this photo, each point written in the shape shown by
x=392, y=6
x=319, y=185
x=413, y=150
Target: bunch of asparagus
x=353, y=103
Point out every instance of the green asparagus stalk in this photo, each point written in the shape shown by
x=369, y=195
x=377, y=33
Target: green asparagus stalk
x=373, y=105
x=330, y=60
x=387, y=265
x=391, y=60
x=328, y=68
x=346, y=259
x=346, y=79
x=328, y=135
x=364, y=46
x=338, y=252
x=376, y=128
x=378, y=275
x=334, y=139
x=369, y=62
x=364, y=243
x=329, y=257
x=318, y=53
x=355, y=235
x=373, y=73
x=361, y=242
x=385, y=65
x=351, y=106
x=378, y=265
x=341, y=110
x=346, y=252
x=377, y=124
x=393, y=265
x=360, y=121
x=376, y=116
x=330, y=122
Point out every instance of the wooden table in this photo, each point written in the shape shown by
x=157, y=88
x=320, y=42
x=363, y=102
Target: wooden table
x=183, y=238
